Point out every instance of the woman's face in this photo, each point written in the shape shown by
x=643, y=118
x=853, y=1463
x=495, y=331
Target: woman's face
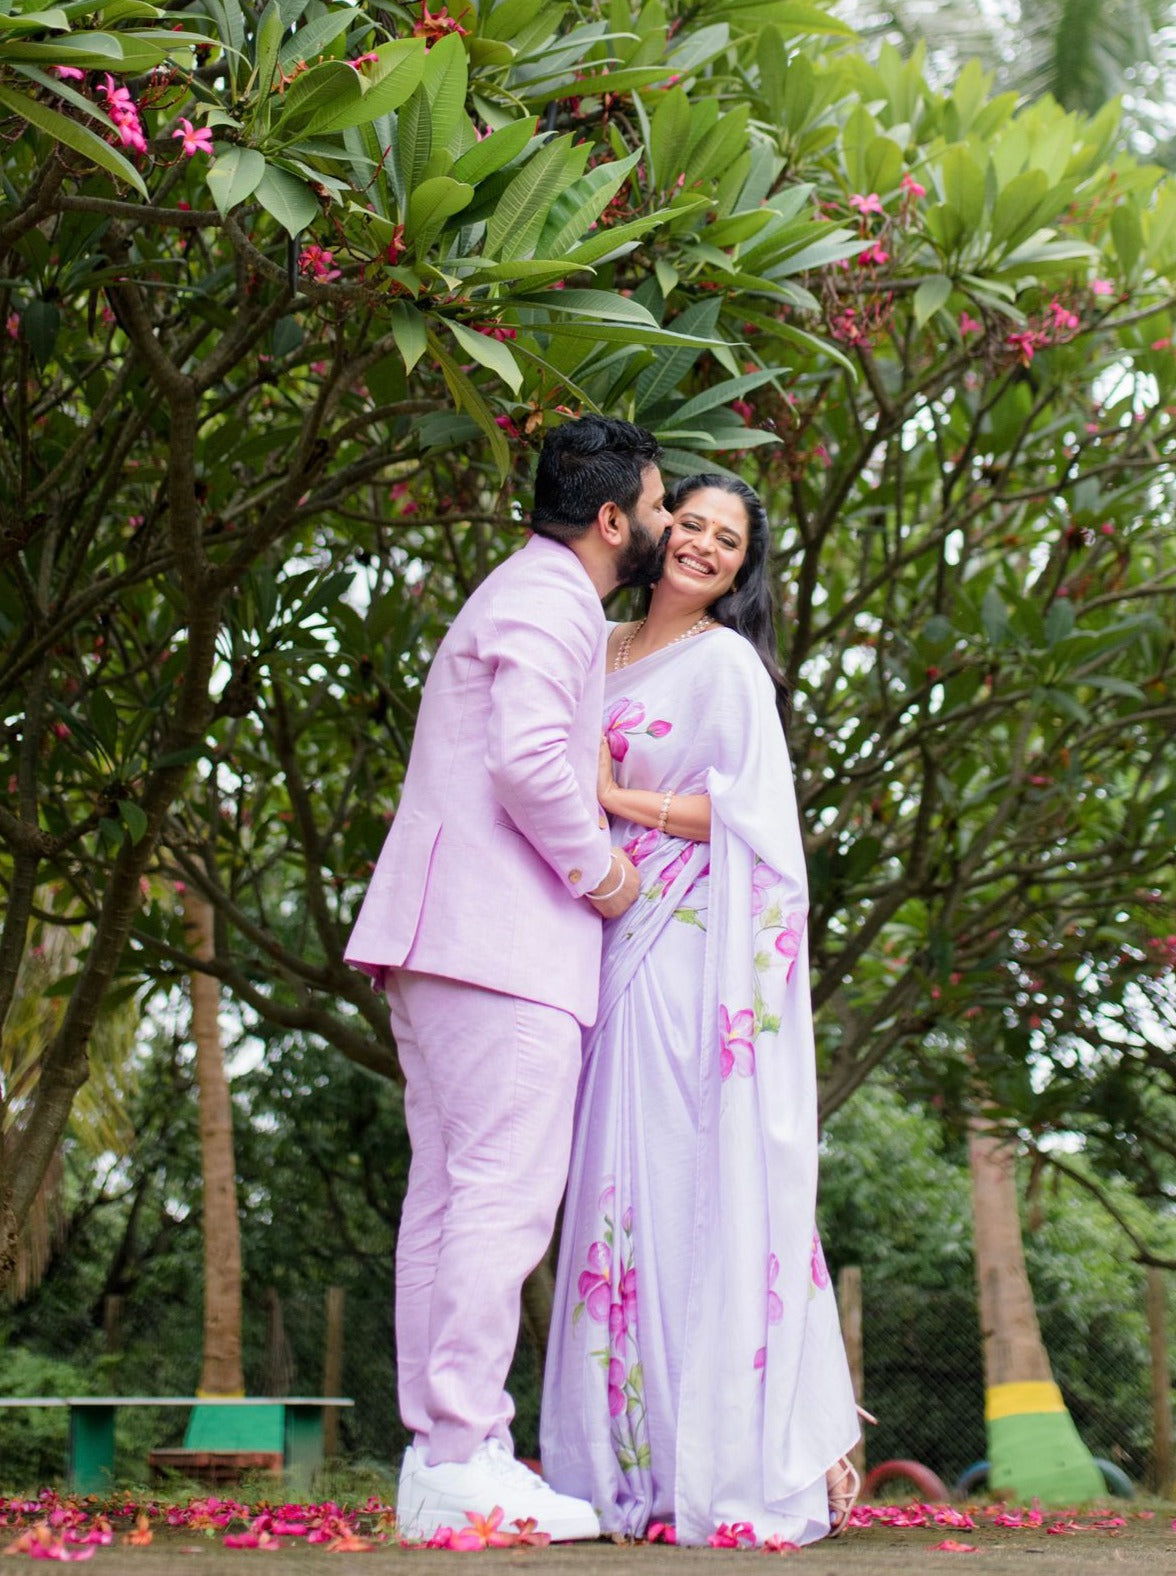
x=707, y=546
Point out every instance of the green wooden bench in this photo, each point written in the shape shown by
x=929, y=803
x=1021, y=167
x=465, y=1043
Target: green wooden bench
x=90, y=1458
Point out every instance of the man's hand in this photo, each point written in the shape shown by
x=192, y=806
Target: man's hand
x=605, y=781
x=621, y=868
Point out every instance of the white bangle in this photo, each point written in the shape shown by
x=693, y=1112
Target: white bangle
x=598, y=897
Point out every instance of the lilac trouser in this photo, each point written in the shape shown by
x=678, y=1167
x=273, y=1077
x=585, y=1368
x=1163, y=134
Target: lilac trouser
x=490, y=1086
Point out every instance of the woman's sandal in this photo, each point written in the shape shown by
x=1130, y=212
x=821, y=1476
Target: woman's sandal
x=844, y=1488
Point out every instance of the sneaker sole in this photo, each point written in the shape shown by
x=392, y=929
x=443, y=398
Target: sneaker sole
x=414, y=1521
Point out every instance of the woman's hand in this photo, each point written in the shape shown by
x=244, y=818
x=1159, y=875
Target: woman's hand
x=606, y=783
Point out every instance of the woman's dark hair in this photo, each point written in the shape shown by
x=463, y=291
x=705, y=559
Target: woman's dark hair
x=747, y=606
x=585, y=464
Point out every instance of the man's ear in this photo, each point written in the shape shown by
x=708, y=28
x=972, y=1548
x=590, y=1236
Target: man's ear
x=610, y=524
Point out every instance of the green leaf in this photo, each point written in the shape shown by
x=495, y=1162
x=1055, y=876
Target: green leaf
x=233, y=176
x=489, y=353
x=524, y=204
x=408, y=330
x=467, y=398
x=269, y=37
x=289, y=200
x=80, y=138
x=104, y=721
x=1127, y=235
x=930, y=296
x=389, y=88
x=623, y=237
x=611, y=82
x=445, y=79
x=962, y=180
x=494, y=151
x=724, y=393
x=53, y=20
x=577, y=209
x=414, y=139
x=431, y=204
x=318, y=97
x=133, y=819
x=603, y=305
x=994, y=616
x=1017, y=205
x=40, y=323
x=310, y=41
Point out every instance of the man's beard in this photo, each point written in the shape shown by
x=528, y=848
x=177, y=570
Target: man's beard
x=640, y=561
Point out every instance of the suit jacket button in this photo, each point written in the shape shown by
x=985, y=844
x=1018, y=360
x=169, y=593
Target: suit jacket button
x=574, y=876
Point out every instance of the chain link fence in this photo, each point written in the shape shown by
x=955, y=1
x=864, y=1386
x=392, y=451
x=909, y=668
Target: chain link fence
x=924, y=1374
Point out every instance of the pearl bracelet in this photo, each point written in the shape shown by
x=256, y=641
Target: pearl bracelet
x=665, y=810
x=598, y=897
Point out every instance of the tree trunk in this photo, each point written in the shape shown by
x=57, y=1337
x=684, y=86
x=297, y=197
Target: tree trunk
x=1034, y=1450
x=1013, y=1348
x=221, y=1373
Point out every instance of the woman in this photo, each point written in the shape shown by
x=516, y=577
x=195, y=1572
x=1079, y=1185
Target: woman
x=696, y=1373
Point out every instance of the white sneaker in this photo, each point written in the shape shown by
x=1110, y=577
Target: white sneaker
x=434, y=1497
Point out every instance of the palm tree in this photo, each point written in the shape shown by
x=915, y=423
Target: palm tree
x=99, y=1122
x=1082, y=52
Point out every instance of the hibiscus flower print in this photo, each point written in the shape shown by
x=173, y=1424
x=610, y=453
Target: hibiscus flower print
x=622, y=1315
x=763, y=879
x=624, y=717
x=820, y=1270
x=641, y=846
x=593, y=1285
x=736, y=1043
x=789, y=939
x=775, y=1305
x=616, y=1387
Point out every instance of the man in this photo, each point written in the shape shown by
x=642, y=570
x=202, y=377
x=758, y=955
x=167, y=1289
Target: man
x=483, y=924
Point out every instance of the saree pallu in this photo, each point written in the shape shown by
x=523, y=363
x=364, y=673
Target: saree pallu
x=696, y=1372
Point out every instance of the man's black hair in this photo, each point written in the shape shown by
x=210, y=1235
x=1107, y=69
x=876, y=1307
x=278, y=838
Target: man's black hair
x=585, y=464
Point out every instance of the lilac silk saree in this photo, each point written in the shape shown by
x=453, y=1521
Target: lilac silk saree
x=696, y=1372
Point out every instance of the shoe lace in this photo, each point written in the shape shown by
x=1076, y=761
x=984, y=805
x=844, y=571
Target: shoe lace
x=504, y=1466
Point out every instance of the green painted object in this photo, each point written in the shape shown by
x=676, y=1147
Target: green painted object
x=235, y=1428
x=1038, y=1455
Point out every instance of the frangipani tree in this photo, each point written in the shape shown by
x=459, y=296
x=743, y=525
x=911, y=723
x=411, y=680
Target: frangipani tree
x=256, y=269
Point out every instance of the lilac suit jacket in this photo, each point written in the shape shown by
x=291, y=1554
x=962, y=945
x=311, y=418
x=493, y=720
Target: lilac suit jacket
x=498, y=834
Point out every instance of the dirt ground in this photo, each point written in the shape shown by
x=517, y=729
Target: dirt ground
x=1141, y=1545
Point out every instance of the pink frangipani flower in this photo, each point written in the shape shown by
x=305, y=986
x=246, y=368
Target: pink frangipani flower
x=912, y=187
x=870, y=203
x=873, y=256
x=193, y=140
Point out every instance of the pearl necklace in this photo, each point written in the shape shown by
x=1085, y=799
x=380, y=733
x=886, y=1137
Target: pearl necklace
x=622, y=657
